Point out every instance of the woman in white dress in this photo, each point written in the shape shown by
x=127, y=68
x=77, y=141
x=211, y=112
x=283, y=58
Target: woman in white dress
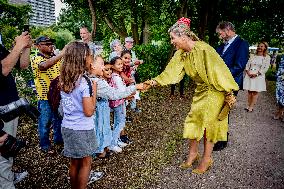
x=254, y=81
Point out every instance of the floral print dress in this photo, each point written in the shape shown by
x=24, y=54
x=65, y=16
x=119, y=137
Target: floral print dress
x=280, y=83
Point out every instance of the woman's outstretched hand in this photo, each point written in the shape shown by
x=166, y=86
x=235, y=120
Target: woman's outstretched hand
x=140, y=86
x=148, y=84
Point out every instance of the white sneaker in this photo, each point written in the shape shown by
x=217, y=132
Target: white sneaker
x=18, y=177
x=116, y=149
x=121, y=144
x=95, y=176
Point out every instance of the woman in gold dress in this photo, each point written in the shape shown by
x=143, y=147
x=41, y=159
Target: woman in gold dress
x=213, y=79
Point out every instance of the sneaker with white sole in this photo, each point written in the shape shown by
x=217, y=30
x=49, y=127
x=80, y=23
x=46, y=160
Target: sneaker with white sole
x=136, y=110
x=121, y=144
x=125, y=139
x=95, y=176
x=18, y=177
x=116, y=149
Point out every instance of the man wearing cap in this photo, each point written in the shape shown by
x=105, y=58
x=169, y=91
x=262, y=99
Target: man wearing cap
x=128, y=45
x=46, y=67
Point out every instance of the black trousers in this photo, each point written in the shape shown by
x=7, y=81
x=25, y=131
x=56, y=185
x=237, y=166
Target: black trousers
x=181, y=88
x=220, y=145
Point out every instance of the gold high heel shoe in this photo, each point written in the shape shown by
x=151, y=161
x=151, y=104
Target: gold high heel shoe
x=185, y=165
x=198, y=171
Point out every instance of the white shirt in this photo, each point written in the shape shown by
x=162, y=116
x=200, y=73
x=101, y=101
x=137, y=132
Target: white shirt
x=228, y=43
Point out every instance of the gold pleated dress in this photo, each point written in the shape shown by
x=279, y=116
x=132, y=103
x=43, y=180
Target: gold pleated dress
x=213, y=79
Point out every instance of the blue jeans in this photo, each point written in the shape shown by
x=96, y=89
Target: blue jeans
x=47, y=117
x=119, y=123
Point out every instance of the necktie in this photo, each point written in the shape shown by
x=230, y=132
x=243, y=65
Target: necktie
x=225, y=46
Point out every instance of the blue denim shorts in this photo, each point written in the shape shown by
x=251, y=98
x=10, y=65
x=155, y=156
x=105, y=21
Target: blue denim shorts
x=78, y=143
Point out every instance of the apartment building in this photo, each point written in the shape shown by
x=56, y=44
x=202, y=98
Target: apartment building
x=43, y=11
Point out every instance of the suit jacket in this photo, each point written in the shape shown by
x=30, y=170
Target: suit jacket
x=236, y=57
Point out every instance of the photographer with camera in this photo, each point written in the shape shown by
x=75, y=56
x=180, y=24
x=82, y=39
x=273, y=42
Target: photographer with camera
x=18, y=57
x=46, y=67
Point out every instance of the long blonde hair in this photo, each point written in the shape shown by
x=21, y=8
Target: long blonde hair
x=266, y=47
x=73, y=65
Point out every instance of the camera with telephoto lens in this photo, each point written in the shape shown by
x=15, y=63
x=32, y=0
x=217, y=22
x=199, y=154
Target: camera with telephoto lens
x=12, y=145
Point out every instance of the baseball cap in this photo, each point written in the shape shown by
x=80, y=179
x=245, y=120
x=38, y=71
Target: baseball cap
x=44, y=39
x=129, y=39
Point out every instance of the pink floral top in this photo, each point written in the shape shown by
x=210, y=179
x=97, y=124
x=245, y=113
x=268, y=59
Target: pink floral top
x=117, y=83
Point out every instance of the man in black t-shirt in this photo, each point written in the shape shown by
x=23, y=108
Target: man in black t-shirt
x=18, y=57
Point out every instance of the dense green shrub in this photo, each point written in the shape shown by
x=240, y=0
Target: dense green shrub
x=8, y=35
x=155, y=58
x=271, y=74
x=23, y=77
x=62, y=38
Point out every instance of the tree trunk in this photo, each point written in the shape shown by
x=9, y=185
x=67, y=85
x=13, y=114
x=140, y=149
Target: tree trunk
x=134, y=25
x=208, y=19
x=213, y=20
x=182, y=11
x=142, y=33
x=146, y=24
x=146, y=32
x=204, y=9
x=94, y=21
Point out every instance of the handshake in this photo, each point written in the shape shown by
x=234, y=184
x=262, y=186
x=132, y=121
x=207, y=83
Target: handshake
x=145, y=86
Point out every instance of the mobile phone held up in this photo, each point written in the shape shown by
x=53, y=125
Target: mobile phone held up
x=26, y=28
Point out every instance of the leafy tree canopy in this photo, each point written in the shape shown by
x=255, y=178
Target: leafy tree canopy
x=12, y=19
x=254, y=20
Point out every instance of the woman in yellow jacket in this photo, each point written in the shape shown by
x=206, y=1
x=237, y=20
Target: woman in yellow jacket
x=213, y=79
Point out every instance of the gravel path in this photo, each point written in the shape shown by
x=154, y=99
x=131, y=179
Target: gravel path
x=254, y=157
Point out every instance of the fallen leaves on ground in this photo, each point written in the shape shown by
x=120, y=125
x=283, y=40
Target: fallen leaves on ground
x=156, y=133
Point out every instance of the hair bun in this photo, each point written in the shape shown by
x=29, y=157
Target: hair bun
x=185, y=21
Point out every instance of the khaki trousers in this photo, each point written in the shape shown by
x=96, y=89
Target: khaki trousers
x=6, y=174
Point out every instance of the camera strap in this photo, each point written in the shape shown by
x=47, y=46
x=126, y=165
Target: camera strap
x=13, y=106
x=13, y=109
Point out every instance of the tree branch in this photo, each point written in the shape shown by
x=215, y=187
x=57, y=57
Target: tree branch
x=94, y=21
x=113, y=28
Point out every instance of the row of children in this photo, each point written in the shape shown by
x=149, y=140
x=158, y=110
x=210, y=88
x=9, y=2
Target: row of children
x=90, y=87
x=131, y=75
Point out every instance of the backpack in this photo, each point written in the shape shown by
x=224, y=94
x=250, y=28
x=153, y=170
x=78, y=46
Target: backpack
x=54, y=96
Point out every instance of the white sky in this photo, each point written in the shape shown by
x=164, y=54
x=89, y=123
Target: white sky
x=58, y=6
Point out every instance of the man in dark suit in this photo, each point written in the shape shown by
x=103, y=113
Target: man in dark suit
x=235, y=53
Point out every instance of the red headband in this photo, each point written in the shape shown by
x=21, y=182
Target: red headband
x=185, y=21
